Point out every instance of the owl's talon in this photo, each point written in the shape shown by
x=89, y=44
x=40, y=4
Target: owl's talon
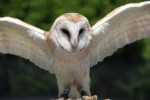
x=60, y=99
x=65, y=94
x=83, y=93
x=89, y=97
x=69, y=99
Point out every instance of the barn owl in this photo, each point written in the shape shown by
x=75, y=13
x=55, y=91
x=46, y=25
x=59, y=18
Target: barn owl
x=71, y=47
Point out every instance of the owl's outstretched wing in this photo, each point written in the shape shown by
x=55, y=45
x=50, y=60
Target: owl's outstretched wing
x=122, y=26
x=24, y=40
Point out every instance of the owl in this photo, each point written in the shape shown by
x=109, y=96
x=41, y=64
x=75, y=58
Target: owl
x=71, y=46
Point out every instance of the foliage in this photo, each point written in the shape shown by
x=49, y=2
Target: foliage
x=124, y=75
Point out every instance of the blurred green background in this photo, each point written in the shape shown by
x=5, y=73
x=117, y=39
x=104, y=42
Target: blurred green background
x=126, y=74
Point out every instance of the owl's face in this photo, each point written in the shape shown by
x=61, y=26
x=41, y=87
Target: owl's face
x=71, y=32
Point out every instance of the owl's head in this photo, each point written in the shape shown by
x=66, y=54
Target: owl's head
x=71, y=32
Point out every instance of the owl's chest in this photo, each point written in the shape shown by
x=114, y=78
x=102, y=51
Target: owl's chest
x=72, y=73
x=63, y=56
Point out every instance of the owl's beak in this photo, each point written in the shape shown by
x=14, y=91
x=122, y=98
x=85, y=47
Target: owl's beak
x=74, y=48
x=74, y=44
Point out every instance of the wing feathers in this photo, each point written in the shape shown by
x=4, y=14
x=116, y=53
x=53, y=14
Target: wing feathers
x=22, y=39
x=20, y=23
x=124, y=25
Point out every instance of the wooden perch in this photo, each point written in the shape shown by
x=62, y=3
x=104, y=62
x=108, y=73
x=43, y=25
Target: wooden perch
x=84, y=98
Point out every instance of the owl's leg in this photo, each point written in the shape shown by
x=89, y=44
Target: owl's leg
x=84, y=92
x=84, y=86
x=65, y=93
x=86, y=95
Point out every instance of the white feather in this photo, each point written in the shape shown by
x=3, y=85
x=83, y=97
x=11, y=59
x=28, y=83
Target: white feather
x=124, y=25
x=22, y=39
x=36, y=34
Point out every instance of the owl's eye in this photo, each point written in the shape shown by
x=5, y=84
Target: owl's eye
x=81, y=31
x=66, y=32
